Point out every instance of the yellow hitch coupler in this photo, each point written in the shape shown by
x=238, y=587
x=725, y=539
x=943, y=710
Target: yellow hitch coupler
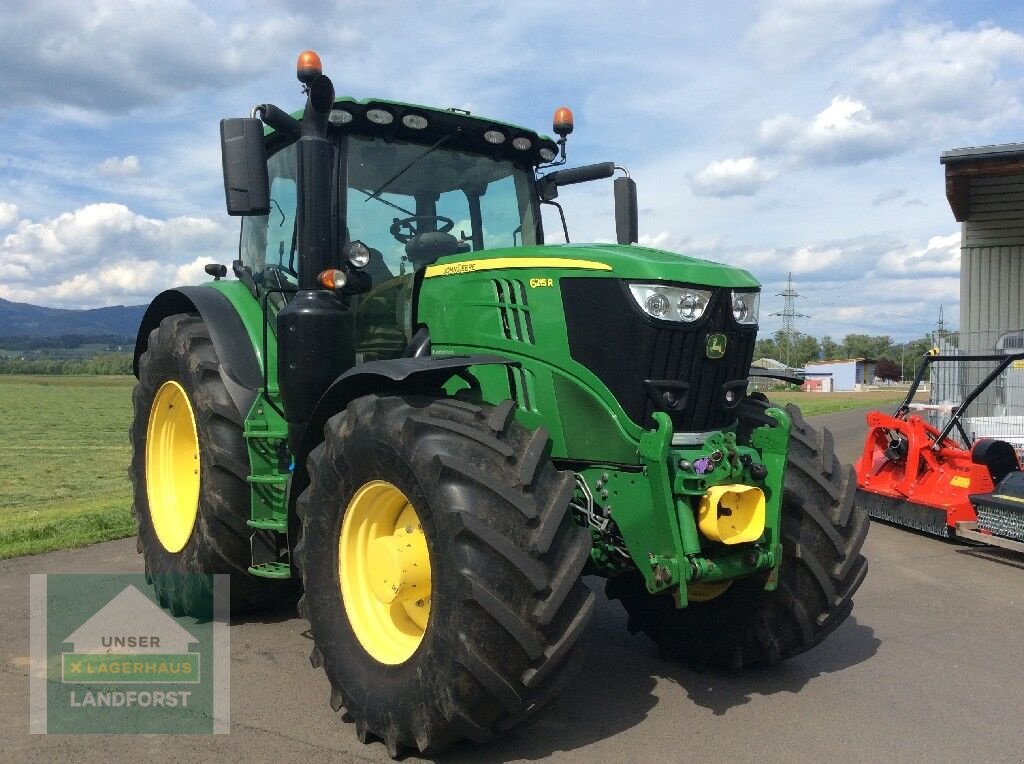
x=732, y=514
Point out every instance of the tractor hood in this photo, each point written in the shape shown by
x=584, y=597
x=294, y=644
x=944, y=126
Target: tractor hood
x=612, y=260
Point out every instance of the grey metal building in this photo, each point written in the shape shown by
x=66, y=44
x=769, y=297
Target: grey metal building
x=985, y=189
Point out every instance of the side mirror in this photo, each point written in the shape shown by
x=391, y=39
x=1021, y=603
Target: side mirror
x=246, y=183
x=626, y=214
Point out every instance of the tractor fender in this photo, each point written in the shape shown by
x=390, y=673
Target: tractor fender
x=239, y=366
x=423, y=373
x=399, y=375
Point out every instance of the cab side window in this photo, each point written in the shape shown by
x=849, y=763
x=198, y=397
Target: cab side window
x=268, y=240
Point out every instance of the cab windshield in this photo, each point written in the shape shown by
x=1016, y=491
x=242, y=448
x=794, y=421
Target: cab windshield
x=413, y=204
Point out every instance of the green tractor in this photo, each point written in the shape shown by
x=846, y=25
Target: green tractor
x=409, y=409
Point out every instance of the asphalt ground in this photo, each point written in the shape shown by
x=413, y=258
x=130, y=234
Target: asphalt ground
x=930, y=667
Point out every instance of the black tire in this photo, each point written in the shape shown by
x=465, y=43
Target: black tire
x=822, y=566
x=180, y=349
x=507, y=605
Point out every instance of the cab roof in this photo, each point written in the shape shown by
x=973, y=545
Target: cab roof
x=396, y=120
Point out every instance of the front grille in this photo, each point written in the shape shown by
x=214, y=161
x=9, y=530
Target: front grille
x=639, y=359
x=514, y=310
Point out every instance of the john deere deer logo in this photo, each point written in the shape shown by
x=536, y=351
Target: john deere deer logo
x=716, y=345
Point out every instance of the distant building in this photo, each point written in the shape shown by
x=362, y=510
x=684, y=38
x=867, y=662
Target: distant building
x=845, y=375
x=822, y=384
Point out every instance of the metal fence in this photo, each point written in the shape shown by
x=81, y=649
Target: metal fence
x=998, y=412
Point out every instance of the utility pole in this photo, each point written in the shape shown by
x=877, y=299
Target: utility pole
x=940, y=330
x=789, y=315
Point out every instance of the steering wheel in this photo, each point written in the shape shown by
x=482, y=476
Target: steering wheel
x=415, y=223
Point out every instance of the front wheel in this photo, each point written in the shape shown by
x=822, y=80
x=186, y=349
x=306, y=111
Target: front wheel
x=740, y=625
x=189, y=469
x=441, y=569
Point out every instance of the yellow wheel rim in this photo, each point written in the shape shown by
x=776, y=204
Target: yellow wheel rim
x=172, y=466
x=702, y=591
x=384, y=572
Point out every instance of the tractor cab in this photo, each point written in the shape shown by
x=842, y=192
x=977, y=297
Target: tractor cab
x=408, y=186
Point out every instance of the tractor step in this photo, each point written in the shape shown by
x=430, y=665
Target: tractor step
x=272, y=570
x=277, y=525
x=275, y=479
x=267, y=434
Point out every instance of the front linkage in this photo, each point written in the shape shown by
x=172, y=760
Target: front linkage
x=706, y=513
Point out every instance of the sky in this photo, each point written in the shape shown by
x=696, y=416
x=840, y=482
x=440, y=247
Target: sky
x=783, y=136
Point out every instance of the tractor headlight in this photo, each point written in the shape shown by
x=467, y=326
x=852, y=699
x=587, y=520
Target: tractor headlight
x=670, y=303
x=745, y=306
x=357, y=253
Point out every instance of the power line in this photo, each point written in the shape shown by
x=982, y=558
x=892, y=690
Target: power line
x=873, y=312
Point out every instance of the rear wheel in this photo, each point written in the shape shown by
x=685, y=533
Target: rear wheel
x=189, y=469
x=441, y=569
x=822, y=566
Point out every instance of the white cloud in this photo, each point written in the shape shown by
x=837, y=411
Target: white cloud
x=8, y=214
x=845, y=132
x=731, y=177
x=790, y=32
x=111, y=56
x=193, y=272
x=812, y=259
x=939, y=257
x=119, y=167
x=891, y=195
x=874, y=285
x=905, y=87
x=951, y=75
x=104, y=254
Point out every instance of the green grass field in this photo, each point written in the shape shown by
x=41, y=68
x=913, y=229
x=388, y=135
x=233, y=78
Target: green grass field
x=812, y=404
x=64, y=465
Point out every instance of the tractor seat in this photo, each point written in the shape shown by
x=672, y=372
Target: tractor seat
x=425, y=248
x=998, y=455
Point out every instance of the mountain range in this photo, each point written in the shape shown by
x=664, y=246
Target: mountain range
x=20, y=319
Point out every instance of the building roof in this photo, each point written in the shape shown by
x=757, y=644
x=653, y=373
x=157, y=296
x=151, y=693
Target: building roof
x=840, y=360
x=973, y=153
x=1005, y=159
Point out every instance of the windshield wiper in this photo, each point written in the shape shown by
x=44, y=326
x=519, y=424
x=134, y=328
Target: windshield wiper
x=405, y=169
x=382, y=200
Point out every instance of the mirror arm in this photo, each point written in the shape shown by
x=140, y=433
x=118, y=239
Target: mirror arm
x=278, y=119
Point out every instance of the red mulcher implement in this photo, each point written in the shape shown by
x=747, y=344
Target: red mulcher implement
x=916, y=475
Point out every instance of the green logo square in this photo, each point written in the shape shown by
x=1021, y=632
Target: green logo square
x=106, y=658
x=716, y=345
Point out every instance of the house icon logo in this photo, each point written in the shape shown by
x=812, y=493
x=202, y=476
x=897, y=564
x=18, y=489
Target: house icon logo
x=107, y=659
x=130, y=640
